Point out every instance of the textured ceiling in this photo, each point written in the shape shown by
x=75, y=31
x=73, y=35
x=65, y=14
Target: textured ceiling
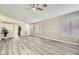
x=20, y=11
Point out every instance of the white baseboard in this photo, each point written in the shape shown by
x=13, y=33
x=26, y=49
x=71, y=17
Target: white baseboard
x=58, y=40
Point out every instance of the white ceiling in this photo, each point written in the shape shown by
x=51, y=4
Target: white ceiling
x=19, y=11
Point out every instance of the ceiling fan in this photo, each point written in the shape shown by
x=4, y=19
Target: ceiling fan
x=36, y=7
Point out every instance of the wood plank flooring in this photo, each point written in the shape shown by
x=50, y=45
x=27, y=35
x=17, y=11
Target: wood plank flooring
x=29, y=45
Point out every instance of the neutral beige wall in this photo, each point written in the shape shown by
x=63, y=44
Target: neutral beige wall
x=51, y=29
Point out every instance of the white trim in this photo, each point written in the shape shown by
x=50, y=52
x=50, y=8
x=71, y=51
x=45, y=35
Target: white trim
x=58, y=40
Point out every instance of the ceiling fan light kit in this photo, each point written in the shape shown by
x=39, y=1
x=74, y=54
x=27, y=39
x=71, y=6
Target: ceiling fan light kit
x=34, y=8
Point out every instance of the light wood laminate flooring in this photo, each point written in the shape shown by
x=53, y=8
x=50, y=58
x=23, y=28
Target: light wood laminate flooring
x=29, y=45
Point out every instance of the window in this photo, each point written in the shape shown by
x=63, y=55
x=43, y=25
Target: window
x=37, y=28
x=70, y=26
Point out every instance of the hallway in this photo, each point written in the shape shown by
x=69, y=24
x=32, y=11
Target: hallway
x=29, y=45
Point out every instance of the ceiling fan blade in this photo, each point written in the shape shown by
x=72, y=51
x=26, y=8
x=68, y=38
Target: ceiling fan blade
x=44, y=5
x=33, y=5
x=39, y=9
